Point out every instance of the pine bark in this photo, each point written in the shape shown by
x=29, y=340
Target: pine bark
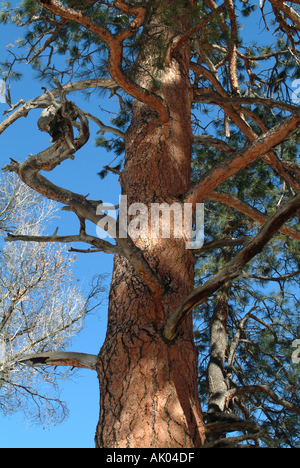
x=148, y=386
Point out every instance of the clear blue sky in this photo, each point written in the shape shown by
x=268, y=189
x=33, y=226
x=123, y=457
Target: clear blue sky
x=80, y=176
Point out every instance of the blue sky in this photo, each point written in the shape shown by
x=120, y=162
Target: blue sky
x=21, y=139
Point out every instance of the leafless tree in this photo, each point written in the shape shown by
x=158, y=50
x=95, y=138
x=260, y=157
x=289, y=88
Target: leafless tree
x=41, y=305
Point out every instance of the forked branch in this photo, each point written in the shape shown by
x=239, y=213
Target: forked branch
x=115, y=44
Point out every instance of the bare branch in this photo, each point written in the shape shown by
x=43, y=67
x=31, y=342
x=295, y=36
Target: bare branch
x=80, y=360
x=41, y=102
x=29, y=173
x=233, y=48
x=105, y=128
x=220, y=243
x=100, y=244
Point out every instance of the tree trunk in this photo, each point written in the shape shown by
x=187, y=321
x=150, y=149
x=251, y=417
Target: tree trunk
x=148, y=387
x=216, y=372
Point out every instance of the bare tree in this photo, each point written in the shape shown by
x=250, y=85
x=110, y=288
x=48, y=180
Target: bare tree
x=41, y=305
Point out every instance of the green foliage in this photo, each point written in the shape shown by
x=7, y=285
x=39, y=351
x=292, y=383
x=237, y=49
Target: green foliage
x=264, y=353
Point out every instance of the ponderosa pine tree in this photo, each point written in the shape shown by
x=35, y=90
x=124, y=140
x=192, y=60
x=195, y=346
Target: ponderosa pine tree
x=177, y=67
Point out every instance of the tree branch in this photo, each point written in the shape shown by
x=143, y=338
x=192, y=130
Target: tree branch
x=105, y=128
x=220, y=243
x=209, y=140
x=233, y=269
x=232, y=442
x=100, y=244
x=233, y=48
x=249, y=211
x=114, y=42
x=287, y=10
x=41, y=102
x=52, y=38
x=235, y=113
x=272, y=278
x=240, y=159
x=80, y=360
x=261, y=389
x=208, y=96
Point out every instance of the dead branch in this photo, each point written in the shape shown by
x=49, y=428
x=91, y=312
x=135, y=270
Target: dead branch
x=233, y=48
x=99, y=244
x=80, y=360
x=105, y=128
x=42, y=102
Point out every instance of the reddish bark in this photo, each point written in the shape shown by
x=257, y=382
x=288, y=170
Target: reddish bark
x=148, y=387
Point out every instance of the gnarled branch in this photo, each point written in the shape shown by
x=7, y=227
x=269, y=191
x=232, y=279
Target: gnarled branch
x=41, y=102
